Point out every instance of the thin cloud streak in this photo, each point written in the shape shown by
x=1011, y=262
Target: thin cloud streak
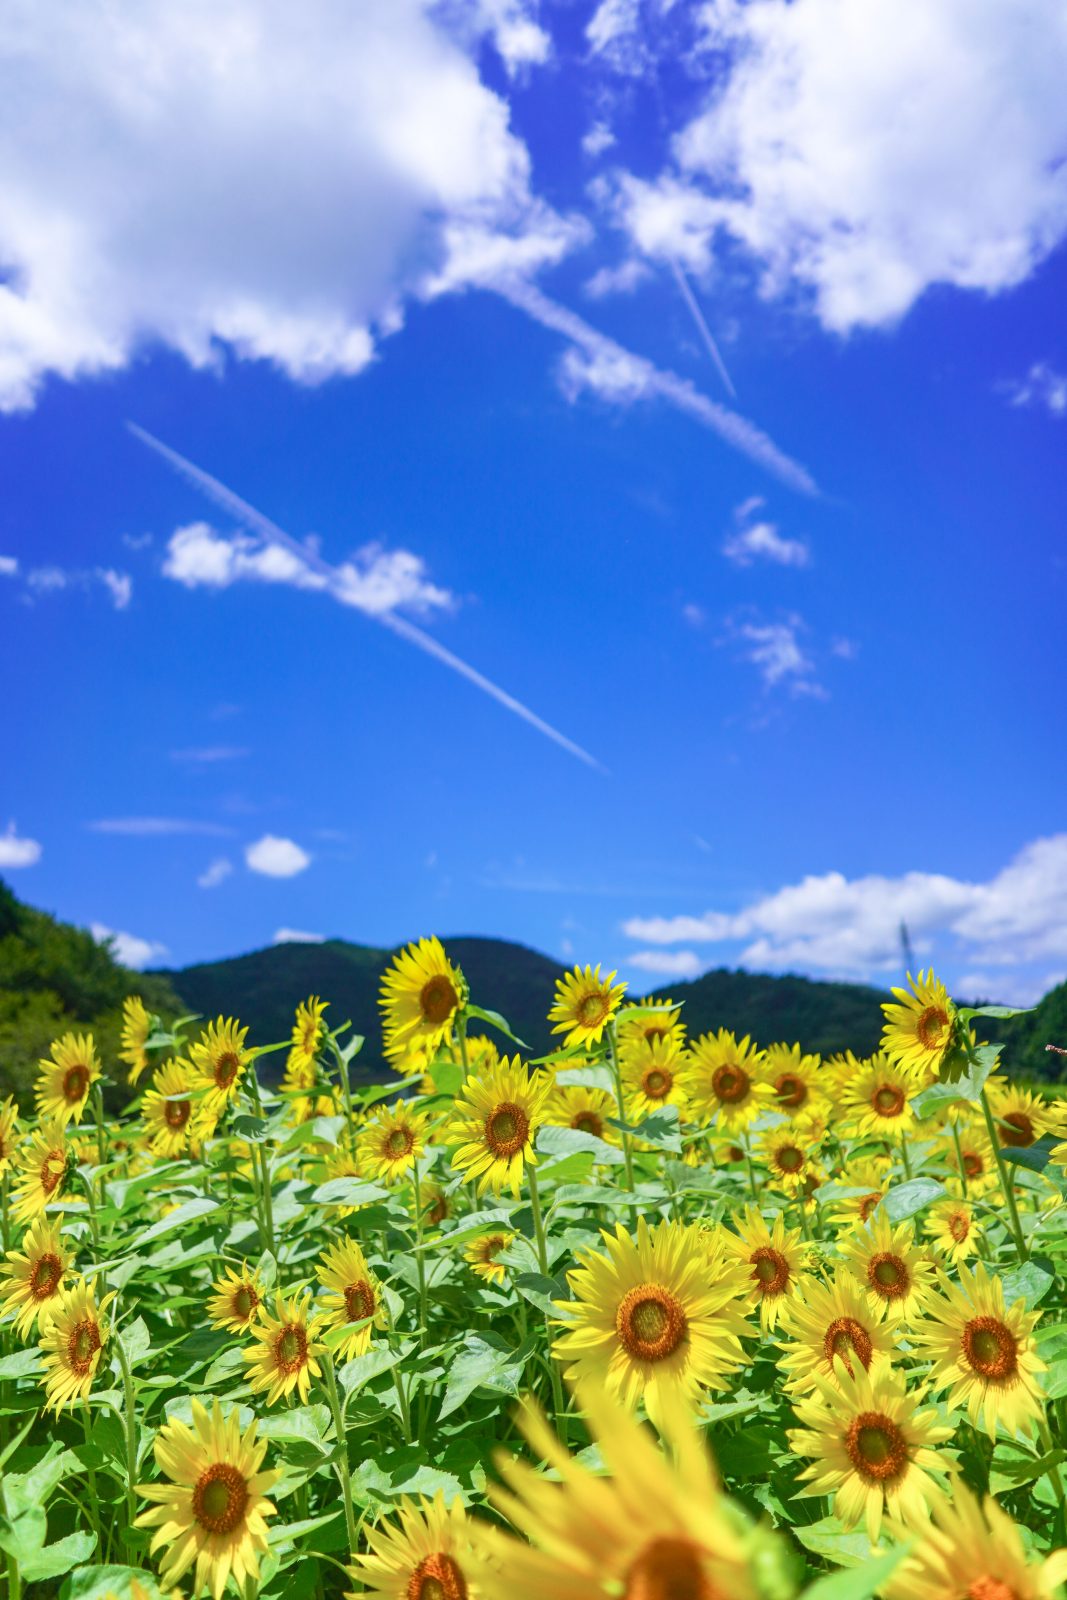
x=705, y=332
x=251, y=518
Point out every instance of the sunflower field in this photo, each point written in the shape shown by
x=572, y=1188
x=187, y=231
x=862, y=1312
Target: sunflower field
x=653, y=1317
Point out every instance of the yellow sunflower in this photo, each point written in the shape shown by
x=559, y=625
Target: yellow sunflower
x=653, y=1079
x=872, y=1447
x=891, y=1267
x=954, y=1229
x=494, y=1122
x=391, y=1142
x=309, y=1033
x=1021, y=1117
x=791, y=1154
x=285, y=1349
x=827, y=1324
x=585, y=1003
x=482, y=1254
x=973, y=1549
x=213, y=1511
x=794, y=1083
x=136, y=1029
x=66, y=1078
x=169, y=1122
x=979, y=1162
x=353, y=1296
x=436, y=1204
x=725, y=1086
x=72, y=1341
x=869, y=1177
x=771, y=1257
x=219, y=1058
x=35, y=1274
x=920, y=1031
x=647, y=1021
x=573, y=1105
x=9, y=1122
x=423, y=1555
x=646, y=1321
x=982, y=1353
x=42, y=1166
x=236, y=1301
x=341, y=1162
x=875, y=1099
x=421, y=993
x=482, y=1053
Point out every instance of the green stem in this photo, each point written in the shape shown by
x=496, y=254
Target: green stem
x=268, y=1200
x=751, y=1170
x=420, y=1261
x=1045, y=1434
x=346, y=1084
x=94, y=1504
x=405, y=1409
x=904, y=1156
x=1007, y=1187
x=342, y=1449
x=4, y=1218
x=461, y=1035
x=101, y=1125
x=558, y=1402
x=130, y=1410
x=14, y=1579
x=959, y=1155
x=627, y=1141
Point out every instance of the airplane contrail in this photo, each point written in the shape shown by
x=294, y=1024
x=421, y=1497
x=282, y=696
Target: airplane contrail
x=705, y=332
x=270, y=531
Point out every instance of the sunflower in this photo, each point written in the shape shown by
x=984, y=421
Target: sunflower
x=888, y=1263
x=72, y=1340
x=309, y=1032
x=482, y=1254
x=66, y=1078
x=973, y=1549
x=236, y=1301
x=573, y=1105
x=585, y=1003
x=875, y=1098
x=872, y=1447
x=169, y=1121
x=979, y=1161
x=869, y=1177
x=219, y=1059
x=421, y=993
x=772, y=1258
x=436, y=1204
x=283, y=1357
x=921, y=1030
x=494, y=1121
x=482, y=1053
x=829, y=1323
x=983, y=1354
x=42, y=1167
x=1021, y=1117
x=646, y=1321
x=653, y=1079
x=646, y=1021
x=35, y=1274
x=410, y=1061
x=136, y=1028
x=214, y=1509
x=352, y=1295
x=790, y=1153
x=307, y=1107
x=9, y=1121
x=655, y=1526
x=423, y=1555
x=391, y=1142
x=724, y=1083
x=793, y=1079
x=954, y=1229
x=341, y=1162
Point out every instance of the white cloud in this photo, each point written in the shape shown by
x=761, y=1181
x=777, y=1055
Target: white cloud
x=209, y=755
x=118, y=584
x=863, y=153
x=128, y=948
x=1007, y=989
x=276, y=858
x=155, y=827
x=47, y=580
x=298, y=936
x=694, y=615
x=598, y=139
x=1043, y=386
x=623, y=279
x=16, y=852
x=614, y=32
x=667, y=963
x=775, y=650
x=761, y=541
x=288, y=216
x=215, y=873
x=9, y=566
x=53, y=579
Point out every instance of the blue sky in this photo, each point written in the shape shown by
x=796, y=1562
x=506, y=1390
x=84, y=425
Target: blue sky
x=421, y=289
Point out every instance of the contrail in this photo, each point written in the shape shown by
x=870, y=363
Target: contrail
x=270, y=531
x=705, y=332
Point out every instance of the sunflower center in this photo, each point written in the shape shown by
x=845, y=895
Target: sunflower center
x=846, y=1337
x=973, y=1165
x=959, y=1226
x=309, y=1038
x=507, y=1129
x=876, y=1447
x=930, y=1026
x=790, y=1158
x=987, y=1588
x=291, y=1348
x=245, y=1300
x=75, y=1083
x=730, y=1084
x=650, y=1322
x=44, y=1279
x=589, y=1122
x=668, y=1569
x=888, y=1276
x=1017, y=1130
x=491, y=1245
x=437, y=1577
x=53, y=1167
x=226, y=1068
x=438, y=1210
x=220, y=1498
x=991, y=1349
x=438, y=999
x=176, y=1113
x=791, y=1090
x=868, y=1203
x=770, y=1270
x=657, y=1082
x=83, y=1342
x=888, y=1101
x=400, y=1142
x=591, y=1009
x=359, y=1301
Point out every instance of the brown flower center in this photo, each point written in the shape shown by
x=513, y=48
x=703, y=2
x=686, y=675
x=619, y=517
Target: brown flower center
x=730, y=1084
x=75, y=1083
x=790, y=1158
x=400, y=1142
x=83, y=1342
x=959, y=1226
x=491, y=1246
x=990, y=1349
x=359, y=1301
x=588, y=1122
x=876, y=1447
x=930, y=1026
x=53, y=1167
x=1016, y=1130
x=668, y=1569
x=245, y=1301
x=227, y=1067
x=591, y=1009
x=770, y=1270
x=438, y=999
x=734, y=1152
x=507, y=1130
x=989, y=1588
x=867, y=1203
x=176, y=1113
x=437, y=1577
x=437, y=1210
x=291, y=1348
x=888, y=1100
x=791, y=1090
x=888, y=1276
x=973, y=1165
x=45, y=1277
x=650, y=1322
x=657, y=1082
x=845, y=1337
x=220, y=1498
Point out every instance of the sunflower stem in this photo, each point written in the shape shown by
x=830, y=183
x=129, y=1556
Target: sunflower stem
x=627, y=1141
x=1045, y=1434
x=346, y=1084
x=4, y=1218
x=130, y=1410
x=420, y=1262
x=904, y=1156
x=558, y=1402
x=461, y=1035
x=751, y=1170
x=94, y=1504
x=405, y=1409
x=1006, y=1185
x=268, y=1201
x=101, y=1124
x=959, y=1155
x=343, y=1472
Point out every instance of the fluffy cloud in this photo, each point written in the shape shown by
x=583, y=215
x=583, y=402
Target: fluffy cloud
x=155, y=827
x=276, y=858
x=243, y=174
x=775, y=650
x=759, y=540
x=128, y=949
x=214, y=873
x=1043, y=386
x=53, y=580
x=667, y=963
x=864, y=153
x=298, y=936
x=209, y=755
x=8, y=566
x=16, y=852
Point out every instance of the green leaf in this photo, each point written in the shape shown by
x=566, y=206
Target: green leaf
x=447, y=1076
x=497, y=1021
x=485, y=1362
x=905, y=1199
x=1030, y=1282
x=136, y=1341
x=347, y=1192
x=23, y=1364
x=588, y=1078
x=553, y=1141
x=541, y=1292
x=307, y=1424
x=828, y=1538
x=967, y=1012
x=371, y=1364
x=188, y=1212
x=857, y=1583
x=56, y=1559
x=478, y=1222
x=968, y=1088
x=1035, y=1156
x=23, y=1536
x=659, y=1128
x=95, y=1583
x=23, y=1490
